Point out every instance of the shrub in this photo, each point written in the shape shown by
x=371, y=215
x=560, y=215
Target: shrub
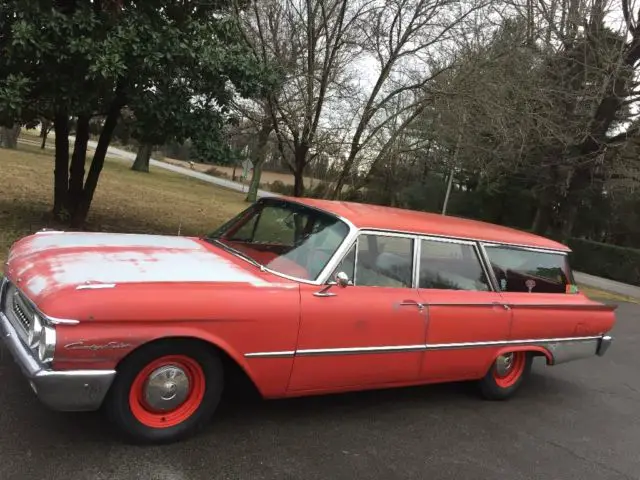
x=606, y=260
x=280, y=187
x=214, y=172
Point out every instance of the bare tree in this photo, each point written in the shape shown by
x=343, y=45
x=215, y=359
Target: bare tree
x=408, y=40
x=313, y=42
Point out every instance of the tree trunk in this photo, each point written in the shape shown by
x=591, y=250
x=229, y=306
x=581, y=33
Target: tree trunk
x=299, y=164
x=9, y=136
x=542, y=218
x=78, y=159
x=61, y=164
x=578, y=184
x=254, y=186
x=298, y=179
x=258, y=158
x=44, y=132
x=141, y=163
x=82, y=210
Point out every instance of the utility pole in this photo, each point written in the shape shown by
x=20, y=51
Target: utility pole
x=453, y=166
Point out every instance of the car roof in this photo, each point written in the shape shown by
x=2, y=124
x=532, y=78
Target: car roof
x=366, y=216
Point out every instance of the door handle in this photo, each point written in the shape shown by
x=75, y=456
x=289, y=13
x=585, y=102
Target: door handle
x=412, y=303
x=503, y=305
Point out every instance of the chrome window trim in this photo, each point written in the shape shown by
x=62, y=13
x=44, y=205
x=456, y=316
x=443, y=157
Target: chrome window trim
x=476, y=249
x=525, y=248
x=417, y=249
x=455, y=239
x=354, y=232
x=487, y=264
x=321, y=278
x=422, y=347
x=380, y=233
x=356, y=244
x=484, y=245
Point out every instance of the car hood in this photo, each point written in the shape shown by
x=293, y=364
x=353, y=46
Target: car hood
x=47, y=262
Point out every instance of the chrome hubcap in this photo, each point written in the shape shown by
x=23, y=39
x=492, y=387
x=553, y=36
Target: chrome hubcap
x=504, y=363
x=166, y=388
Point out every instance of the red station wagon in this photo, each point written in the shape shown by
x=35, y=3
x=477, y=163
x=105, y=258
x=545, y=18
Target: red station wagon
x=301, y=296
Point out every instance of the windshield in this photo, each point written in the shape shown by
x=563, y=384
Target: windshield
x=284, y=237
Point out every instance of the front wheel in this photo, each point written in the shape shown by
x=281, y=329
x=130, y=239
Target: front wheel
x=506, y=375
x=165, y=391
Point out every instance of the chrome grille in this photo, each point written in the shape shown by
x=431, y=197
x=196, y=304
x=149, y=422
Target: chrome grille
x=17, y=309
x=20, y=312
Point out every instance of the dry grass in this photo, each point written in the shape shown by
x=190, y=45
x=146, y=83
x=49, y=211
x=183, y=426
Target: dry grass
x=125, y=201
x=603, y=295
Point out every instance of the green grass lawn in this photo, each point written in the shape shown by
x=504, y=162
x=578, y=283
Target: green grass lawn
x=125, y=201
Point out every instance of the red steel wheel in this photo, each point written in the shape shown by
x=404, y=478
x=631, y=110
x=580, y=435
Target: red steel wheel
x=506, y=375
x=167, y=391
x=509, y=368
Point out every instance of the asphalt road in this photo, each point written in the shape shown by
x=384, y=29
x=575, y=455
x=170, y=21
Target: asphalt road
x=579, y=420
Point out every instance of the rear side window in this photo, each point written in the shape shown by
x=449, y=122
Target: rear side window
x=451, y=266
x=520, y=270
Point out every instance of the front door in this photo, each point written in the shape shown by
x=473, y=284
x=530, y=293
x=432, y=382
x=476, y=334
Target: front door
x=466, y=317
x=369, y=333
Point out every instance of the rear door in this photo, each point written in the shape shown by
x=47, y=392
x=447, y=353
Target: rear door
x=467, y=318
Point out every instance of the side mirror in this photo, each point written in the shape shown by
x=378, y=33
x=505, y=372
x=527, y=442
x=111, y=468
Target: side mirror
x=342, y=280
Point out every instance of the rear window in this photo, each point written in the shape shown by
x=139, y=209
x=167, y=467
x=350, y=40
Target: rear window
x=520, y=270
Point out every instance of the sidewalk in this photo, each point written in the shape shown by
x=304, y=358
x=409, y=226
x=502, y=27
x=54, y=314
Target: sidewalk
x=607, y=285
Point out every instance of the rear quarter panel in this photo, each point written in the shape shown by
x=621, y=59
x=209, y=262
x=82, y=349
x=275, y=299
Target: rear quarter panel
x=557, y=316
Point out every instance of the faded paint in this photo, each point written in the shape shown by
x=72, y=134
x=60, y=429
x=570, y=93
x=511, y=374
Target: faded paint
x=47, y=263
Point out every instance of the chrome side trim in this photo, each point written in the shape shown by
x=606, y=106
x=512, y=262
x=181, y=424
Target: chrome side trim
x=566, y=306
x=469, y=304
x=281, y=354
x=550, y=343
x=505, y=343
x=95, y=286
x=355, y=350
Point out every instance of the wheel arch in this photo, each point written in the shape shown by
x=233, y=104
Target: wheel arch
x=235, y=369
x=535, y=350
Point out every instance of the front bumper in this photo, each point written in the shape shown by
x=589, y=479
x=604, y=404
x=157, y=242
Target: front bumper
x=69, y=390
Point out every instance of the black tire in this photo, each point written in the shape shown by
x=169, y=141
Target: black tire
x=117, y=404
x=491, y=390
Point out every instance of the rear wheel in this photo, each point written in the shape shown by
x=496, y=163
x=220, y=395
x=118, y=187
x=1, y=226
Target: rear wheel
x=506, y=375
x=165, y=391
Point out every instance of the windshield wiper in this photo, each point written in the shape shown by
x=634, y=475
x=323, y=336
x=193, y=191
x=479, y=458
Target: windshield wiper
x=236, y=252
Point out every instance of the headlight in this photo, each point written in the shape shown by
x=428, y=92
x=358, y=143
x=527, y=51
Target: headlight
x=35, y=332
x=47, y=344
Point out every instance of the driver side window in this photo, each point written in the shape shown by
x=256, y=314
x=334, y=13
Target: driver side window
x=381, y=261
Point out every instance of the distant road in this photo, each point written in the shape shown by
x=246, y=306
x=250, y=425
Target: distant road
x=221, y=182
